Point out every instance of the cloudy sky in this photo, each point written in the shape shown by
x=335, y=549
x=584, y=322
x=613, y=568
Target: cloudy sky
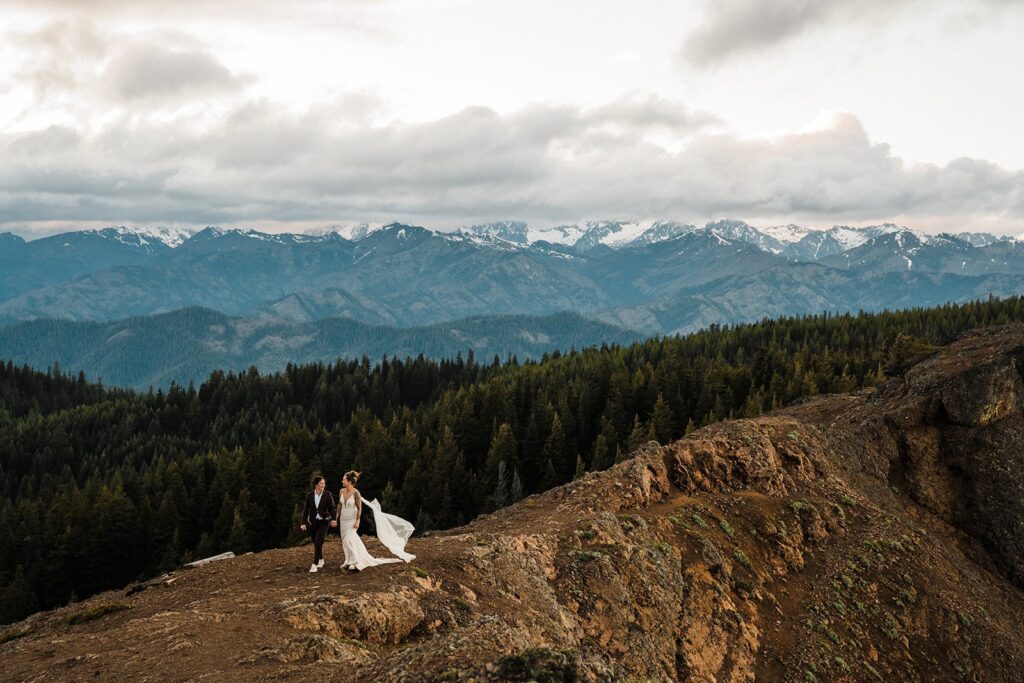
x=291, y=115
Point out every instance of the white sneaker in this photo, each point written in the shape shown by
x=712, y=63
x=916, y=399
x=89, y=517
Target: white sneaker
x=320, y=564
x=312, y=569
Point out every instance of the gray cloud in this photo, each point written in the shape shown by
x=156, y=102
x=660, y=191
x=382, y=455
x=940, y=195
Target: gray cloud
x=739, y=27
x=151, y=71
x=60, y=55
x=70, y=61
x=547, y=164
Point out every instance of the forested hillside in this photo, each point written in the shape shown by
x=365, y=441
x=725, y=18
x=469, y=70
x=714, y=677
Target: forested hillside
x=99, y=488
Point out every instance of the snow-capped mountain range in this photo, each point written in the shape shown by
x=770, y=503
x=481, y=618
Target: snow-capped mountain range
x=788, y=240
x=654, y=276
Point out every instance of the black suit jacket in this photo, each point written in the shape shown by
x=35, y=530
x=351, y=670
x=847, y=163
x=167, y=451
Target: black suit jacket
x=310, y=510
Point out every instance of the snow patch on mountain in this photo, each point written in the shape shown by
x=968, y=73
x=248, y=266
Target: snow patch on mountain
x=787, y=233
x=146, y=236
x=353, y=232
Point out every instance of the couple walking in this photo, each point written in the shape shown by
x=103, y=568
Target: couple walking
x=320, y=513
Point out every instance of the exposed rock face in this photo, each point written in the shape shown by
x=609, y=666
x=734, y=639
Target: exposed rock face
x=873, y=536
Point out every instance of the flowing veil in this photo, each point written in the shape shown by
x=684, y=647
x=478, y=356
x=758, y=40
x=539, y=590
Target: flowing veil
x=392, y=531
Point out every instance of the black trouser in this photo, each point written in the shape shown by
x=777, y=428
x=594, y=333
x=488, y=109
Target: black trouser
x=318, y=530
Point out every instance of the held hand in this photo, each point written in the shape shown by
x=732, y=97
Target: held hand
x=356, y=525
x=302, y=526
x=333, y=524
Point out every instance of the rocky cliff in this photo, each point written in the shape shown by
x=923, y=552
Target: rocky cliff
x=873, y=536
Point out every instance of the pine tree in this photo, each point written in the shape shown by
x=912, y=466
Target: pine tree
x=501, y=494
x=550, y=479
x=637, y=436
x=602, y=458
x=662, y=421
x=554, y=452
x=17, y=600
x=516, y=490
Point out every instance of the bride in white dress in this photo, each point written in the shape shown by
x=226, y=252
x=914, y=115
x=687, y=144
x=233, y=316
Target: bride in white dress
x=392, y=531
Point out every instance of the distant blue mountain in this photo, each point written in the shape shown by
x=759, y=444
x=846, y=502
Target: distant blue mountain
x=655, y=276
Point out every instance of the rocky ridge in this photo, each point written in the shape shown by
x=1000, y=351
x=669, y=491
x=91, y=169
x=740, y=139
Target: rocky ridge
x=861, y=537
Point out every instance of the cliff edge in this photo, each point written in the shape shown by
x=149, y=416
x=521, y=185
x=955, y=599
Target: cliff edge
x=875, y=536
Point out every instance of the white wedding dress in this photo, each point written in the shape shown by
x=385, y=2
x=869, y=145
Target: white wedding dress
x=392, y=531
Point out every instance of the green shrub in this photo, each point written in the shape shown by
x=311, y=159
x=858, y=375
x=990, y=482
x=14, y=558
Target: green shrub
x=727, y=528
x=14, y=635
x=93, y=613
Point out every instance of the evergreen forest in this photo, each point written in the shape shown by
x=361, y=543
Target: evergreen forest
x=101, y=487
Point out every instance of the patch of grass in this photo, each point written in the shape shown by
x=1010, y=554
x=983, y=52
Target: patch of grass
x=908, y=597
x=847, y=501
x=964, y=619
x=841, y=663
x=846, y=580
x=587, y=556
x=14, y=635
x=840, y=607
x=838, y=511
x=663, y=548
x=539, y=664
x=420, y=572
x=587, y=534
x=627, y=523
x=93, y=613
x=461, y=604
x=741, y=557
x=872, y=670
x=675, y=520
x=699, y=521
x=743, y=585
x=727, y=528
x=809, y=677
x=783, y=531
x=588, y=641
x=890, y=627
x=354, y=643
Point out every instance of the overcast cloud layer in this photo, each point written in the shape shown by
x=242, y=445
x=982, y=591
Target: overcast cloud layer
x=161, y=124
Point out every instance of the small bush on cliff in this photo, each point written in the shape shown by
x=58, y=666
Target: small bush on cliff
x=539, y=664
x=14, y=635
x=96, y=612
x=727, y=528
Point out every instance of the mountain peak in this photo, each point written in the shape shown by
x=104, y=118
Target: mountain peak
x=352, y=232
x=510, y=231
